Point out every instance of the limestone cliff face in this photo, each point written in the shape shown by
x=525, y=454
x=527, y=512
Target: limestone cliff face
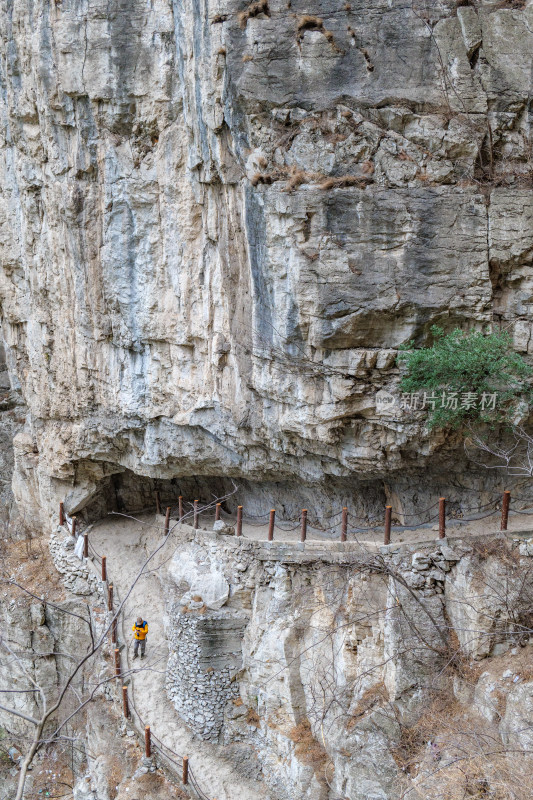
x=11, y=421
x=219, y=221
x=348, y=663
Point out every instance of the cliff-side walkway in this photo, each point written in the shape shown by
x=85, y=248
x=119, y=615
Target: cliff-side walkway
x=127, y=543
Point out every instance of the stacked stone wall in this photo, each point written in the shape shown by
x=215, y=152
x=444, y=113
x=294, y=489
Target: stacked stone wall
x=206, y=654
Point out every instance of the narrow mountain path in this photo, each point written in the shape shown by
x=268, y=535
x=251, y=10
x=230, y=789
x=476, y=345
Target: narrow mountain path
x=127, y=544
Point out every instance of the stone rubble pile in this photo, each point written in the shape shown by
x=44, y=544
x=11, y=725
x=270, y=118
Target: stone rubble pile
x=77, y=577
x=427, y=571
x=526, y=548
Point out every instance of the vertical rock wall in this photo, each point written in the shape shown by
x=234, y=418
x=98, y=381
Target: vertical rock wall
x=219, y=221
x=12, y=417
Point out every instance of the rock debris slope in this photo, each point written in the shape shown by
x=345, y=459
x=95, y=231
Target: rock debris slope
x=219, y=221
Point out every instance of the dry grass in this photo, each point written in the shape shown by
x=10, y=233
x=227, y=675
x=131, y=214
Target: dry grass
x=153, y=784
x=296, y=177
x=335, y=138
x=413, y=738
x=469, y=760
x=307, y=749
x=343, y=181
x=517, y=5
x=221, y=51
x=376, y=694
x=369, y=64
x=498, y=547
x=309, y=22
x=260, y=177
x=56, y=762
x=27, y=560
x=189, y=610
x=252, y=718
x=526, y=672
x=253, y=10
x=247, y=57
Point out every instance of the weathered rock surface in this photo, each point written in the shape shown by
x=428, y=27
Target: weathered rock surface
x=36, y=636
x=217, y=227
x=11, y=420
x=340, y=667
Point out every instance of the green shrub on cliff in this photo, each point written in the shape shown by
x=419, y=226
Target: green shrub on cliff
x=465, y=378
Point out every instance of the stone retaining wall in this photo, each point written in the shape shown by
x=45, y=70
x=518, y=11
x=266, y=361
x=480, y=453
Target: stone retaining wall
x=206, y=654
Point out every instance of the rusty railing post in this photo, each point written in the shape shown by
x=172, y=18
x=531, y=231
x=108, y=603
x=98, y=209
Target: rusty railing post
x=239, y=521
x=442, y=517
x=125, y=704
x=303, y=534
x=104, y=569
x=217, y=511
x=158, y=503
x=505, y=510
x=344, y=524
x=167, y=521
x=114, y=631
x=388, y=515
x=271, y=524
x=74, y=527
x=110, y=597
x=185, y=780
x=86, y=545
x=147, y=742
x=195, y=522
x=117, y=662
x=61, y=514
x=180, y=507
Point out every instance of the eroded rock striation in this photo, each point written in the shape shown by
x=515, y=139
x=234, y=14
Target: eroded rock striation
x=219, y=222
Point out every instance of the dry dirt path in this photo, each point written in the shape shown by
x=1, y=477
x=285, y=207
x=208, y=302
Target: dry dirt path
x=127, y=543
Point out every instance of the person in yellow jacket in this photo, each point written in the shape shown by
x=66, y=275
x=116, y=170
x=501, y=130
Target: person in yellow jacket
x=140, y=631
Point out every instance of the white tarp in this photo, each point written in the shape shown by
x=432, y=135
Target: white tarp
x=78, y=547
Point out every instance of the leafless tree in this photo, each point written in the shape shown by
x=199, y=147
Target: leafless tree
x=58, y=706
x=512, y=455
